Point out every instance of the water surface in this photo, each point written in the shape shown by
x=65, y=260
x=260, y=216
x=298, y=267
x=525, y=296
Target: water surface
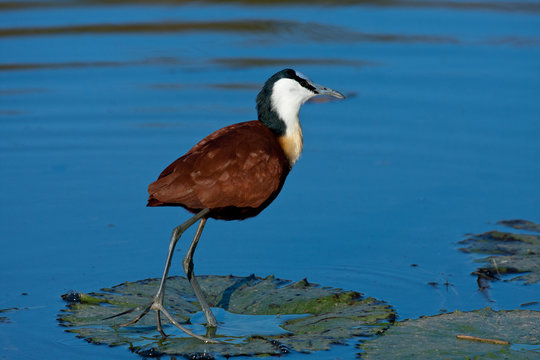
x=438, y=138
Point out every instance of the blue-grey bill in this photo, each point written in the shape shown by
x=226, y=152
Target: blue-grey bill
x=323, y=90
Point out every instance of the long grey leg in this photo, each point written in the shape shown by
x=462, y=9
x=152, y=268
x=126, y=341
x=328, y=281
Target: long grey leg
x=188, y=268
x=157, y=303
x=177, y=232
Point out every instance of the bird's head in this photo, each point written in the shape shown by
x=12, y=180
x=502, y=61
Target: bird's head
x=279, y=101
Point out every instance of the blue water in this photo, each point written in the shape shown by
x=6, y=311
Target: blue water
x=439, y=137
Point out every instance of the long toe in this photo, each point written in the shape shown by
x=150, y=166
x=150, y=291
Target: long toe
x=140, y=307
x=139, y=317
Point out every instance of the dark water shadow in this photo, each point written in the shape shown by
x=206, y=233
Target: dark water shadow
x=242, y=63
x=503, y=6
x=311, y=31
x=183, y=87
x=89, y=64
x=231, y=63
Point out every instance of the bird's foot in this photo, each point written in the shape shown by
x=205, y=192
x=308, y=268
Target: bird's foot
x=157, y=306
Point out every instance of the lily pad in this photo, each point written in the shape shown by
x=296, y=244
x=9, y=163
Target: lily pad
x=510, y=253
x=435, y=337
x=278, y=316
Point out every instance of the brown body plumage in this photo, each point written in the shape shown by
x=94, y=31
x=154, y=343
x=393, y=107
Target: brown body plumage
x=236, y=172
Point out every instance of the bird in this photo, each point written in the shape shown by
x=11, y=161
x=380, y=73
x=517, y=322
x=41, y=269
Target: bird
x=232, y=174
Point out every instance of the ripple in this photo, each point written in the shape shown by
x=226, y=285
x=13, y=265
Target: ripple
x=316, y=32
x=231, y=63
x=238, y=63
x=501, y=6
x=88, y=64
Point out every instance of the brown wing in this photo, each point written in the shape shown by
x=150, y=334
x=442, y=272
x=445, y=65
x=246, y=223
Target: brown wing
x=241, y=166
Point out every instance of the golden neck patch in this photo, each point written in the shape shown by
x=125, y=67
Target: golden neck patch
x=292, y=143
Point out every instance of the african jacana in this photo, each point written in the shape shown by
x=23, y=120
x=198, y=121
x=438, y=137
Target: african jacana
x=233, y=174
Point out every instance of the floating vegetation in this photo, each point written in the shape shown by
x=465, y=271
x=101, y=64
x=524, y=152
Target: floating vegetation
x=478, y=334
x=307, y=317
x=521, y=225
x=509, y=253
x=5, y=319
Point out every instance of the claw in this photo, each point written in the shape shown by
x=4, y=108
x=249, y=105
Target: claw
x=158, y=322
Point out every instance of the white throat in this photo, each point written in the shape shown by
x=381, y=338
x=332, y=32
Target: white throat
x=287, y=98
